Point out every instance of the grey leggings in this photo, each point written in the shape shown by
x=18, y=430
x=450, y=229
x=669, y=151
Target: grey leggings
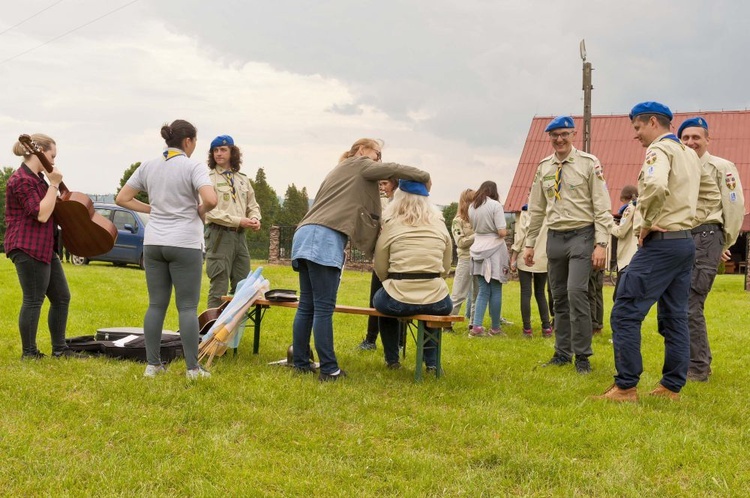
x=168, y=266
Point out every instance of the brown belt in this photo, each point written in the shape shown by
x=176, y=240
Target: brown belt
x=214, y=226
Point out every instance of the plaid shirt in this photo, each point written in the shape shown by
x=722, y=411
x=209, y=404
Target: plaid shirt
x=23, y=195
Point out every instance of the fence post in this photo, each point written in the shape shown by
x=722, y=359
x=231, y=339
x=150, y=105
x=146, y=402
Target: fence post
x=273, y=245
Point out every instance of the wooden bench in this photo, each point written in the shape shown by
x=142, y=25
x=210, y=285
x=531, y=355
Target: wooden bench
x=435, y=322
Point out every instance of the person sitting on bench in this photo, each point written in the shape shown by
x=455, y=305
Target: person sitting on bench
x=412, y=255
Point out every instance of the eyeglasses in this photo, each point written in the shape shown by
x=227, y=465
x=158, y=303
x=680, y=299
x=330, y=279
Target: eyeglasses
x=379, y=155
x=563, y=134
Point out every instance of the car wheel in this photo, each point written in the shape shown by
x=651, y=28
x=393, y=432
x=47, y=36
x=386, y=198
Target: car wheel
x=79, y=260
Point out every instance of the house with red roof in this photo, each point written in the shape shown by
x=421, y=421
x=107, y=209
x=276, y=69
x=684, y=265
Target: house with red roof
x=613, y=142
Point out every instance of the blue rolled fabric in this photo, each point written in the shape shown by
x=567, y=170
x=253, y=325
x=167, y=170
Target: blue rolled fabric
x=650, y=108
x=692, y=122
x=413, y=187
x=222, y=140
x=560, y=122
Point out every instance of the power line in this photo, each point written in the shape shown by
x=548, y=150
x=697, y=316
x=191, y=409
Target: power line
x=67, y=32
x=30, y=17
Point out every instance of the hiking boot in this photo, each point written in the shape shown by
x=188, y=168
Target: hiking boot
x=32, y=356
x=69, y=353
x=393, y=366
x=197, y=373
x=546, y=333
x=528, y=333
x=477, y=331
x=663, y=392
x=324, y=377
x=154, y=370
x=583, y=366
x=367, y=346
x=557, y=360
x=696, y=377
x=615, y=393
x=498, y=332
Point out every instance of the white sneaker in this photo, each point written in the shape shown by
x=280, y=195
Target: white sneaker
x=154, y=370
x=197, y=373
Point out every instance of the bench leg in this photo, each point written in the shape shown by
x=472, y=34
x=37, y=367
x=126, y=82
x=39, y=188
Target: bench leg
x=421, y=330
x=423, y=335
x=255, y=316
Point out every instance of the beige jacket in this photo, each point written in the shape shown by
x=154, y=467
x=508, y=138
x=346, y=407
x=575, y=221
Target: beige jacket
x=407, y=249
x=669, y=185
x=627, y=237
x=348, y=200
x=540, y=246
x=463, y=236
x=584, y=199
x=731, y=210
x=230, y=211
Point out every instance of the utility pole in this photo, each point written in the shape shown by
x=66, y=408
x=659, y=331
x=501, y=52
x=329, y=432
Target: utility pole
x=587, y=87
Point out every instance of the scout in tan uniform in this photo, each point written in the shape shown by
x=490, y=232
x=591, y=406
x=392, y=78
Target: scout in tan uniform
x=668, y=188
x=627, y=240
x=569, y=191
x=227, y=257
x=712, y=239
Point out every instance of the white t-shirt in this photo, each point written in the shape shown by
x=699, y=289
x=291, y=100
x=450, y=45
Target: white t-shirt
x=172, y=186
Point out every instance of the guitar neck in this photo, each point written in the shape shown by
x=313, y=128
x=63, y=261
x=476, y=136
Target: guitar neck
x=45, y=162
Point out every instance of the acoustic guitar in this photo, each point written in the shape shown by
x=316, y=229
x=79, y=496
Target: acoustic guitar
x=84, y=231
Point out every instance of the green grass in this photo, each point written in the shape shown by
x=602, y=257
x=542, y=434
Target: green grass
x=494, y=425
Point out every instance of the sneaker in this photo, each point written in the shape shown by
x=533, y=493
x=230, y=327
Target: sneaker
x=32, y=356
x=583, y=366
x=394, y=366
x=477, y=331
x=154, y=370
x=324, y=377
x=557, y=360
x=69, y=353
x=498, y=332
x=367, y=346
x=302, y=370
x=197, y=373
x=546, y=333
x=528, y=333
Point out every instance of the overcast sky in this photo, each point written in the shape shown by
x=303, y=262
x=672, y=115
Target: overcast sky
x=450, y=86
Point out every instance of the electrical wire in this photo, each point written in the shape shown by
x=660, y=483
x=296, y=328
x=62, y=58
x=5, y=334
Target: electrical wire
x=30, y=17
x=67, y=32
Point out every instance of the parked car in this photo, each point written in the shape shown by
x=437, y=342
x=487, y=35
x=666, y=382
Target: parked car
x=131, y=226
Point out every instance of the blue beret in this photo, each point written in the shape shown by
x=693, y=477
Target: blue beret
x=650, y=108
x=560, y=122
x=222, y=140
x=413, y=187
x=525, y=207
x=692, y=122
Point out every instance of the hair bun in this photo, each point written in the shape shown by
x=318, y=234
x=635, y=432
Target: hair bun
x=166, y=132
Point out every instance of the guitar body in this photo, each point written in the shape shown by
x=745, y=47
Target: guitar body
x=85, y=232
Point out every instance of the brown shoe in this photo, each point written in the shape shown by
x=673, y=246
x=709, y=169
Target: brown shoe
x=663, y=392
x=614, y=393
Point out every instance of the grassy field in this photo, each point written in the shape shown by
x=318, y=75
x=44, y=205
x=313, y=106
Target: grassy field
x=494, y=425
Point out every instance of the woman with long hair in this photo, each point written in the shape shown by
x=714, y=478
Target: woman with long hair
x=412, y=256
x=463, y=236
x=180, y=194
x=489, y=257
x=346, y=208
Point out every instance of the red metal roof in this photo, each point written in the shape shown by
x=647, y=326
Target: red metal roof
x=613, y=142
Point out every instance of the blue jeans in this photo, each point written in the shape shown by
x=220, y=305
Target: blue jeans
x=318, y=287
x=37, y=280
x=389, y=326
x=490, y=294
x=658, y=273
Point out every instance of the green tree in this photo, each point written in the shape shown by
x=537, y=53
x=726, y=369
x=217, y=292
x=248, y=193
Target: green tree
x=295, y=206
x=268, y=200
x=449, y=212
x=141, y=196
x=4, y=176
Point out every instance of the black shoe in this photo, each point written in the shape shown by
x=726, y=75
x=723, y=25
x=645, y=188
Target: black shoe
x=33, y=356
x=303, y=370
x=367, y=346
x=583, y=366
x=394, y=366
x=557, y=360
x=68, y=353
x=324, y=377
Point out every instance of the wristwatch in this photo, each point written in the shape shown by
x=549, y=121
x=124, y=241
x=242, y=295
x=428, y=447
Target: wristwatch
x=602, y=244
